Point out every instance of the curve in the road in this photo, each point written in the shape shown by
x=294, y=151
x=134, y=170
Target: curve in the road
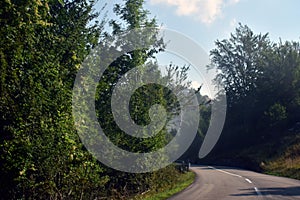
x=225, y=183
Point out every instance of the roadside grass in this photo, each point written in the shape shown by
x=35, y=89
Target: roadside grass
x=279, y=157
x=183, y=182
x=287, y=164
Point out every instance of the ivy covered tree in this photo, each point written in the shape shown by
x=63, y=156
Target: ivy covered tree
x=42, y=46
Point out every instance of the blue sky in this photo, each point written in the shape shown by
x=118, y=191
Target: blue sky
x=205, y=21
x=278, y=17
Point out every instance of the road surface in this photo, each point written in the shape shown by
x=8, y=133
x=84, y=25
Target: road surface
x=224, y=183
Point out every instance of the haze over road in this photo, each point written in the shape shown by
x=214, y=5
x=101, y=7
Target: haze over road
x=224, y=183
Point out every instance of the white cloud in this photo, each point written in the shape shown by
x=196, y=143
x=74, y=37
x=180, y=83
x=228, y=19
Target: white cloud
x=233, y=2
x=204, y=10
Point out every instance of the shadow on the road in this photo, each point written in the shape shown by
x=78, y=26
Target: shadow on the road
x=276, y=191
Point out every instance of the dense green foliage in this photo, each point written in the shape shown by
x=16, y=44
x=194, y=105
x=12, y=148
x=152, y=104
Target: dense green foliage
x=43, y=44
x=135, y=17
x=261, y=80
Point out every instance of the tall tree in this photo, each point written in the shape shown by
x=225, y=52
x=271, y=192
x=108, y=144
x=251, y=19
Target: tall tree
x=239, y=64
x=237, y=61
x=132, y=17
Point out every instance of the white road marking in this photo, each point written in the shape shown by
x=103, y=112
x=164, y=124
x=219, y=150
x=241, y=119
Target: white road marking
x=248, y=180
x=257, y=191
x=225, y=172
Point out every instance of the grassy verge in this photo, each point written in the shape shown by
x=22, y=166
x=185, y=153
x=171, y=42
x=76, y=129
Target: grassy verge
x=287, y=163
x=279, y=157
x=183, y=182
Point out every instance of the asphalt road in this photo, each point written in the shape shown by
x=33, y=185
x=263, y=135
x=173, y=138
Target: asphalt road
x=224, y=183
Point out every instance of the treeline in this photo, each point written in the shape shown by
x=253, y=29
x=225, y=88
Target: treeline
x=43, y=44
x=262, y=82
